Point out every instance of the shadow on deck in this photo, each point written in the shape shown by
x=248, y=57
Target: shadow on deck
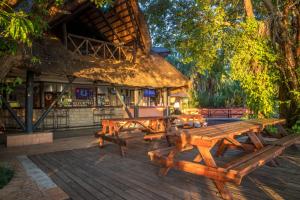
x=94, y=173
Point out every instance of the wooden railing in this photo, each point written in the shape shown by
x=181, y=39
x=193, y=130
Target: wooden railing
x=99, y=49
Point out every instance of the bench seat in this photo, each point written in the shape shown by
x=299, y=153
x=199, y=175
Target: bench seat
x=235, y=170
x=250, y=162
x=287, y=140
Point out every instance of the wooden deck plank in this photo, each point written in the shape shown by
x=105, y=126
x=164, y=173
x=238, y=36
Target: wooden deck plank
x=67, y=185
x=134, y=177
x=250, y=191
x=141, y=169
x=111, y=182
x=95, y=173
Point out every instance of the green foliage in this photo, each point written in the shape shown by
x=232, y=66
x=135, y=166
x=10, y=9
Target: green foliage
x=272, y=130
x=102, y=3
x=232, y=63
x=27, y=22
x=6, y=175
x=252, y=63
x=10, y=84
x=35, y=60
x=296, y=127
x=18, y=26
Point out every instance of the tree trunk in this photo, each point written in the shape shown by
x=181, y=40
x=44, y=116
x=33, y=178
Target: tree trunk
x=248, y=8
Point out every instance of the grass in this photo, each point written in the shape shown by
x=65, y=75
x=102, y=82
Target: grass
x=6, y=175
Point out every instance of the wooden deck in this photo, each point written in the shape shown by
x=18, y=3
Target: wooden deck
x=94, y=173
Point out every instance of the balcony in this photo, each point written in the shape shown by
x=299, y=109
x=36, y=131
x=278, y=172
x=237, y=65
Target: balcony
x=99, y=49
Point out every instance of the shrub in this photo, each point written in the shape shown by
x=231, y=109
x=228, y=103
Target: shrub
x=6, y=175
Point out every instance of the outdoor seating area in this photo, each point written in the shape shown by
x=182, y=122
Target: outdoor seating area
x=225, y=137
x=93, y=173
x=149, y=99
x=222, y=137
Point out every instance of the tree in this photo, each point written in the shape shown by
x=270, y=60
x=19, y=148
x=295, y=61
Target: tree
x=258, y=41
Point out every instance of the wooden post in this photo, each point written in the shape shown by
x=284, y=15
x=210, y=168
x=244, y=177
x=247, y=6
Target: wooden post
x=42, y=94
x=166, y=101
x=65, y=34
x=123, y=103
x=29, y=102
x=136, y=103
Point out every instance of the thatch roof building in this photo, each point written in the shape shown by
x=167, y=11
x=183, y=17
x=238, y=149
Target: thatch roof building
x=110, y=44
x=92, y=63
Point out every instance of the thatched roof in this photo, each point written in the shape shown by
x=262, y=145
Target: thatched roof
x=120, y=22
x=148, y=71
x=151, y=71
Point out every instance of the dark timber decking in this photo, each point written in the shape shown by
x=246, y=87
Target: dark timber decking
x=95, y=173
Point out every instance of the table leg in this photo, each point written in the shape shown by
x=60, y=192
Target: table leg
x=258, y=143
x=123, y=149
x=101, y=142
x=221, y=148
x=170, y=158
x=255, y=140
x=209, y=161
x=198, y=158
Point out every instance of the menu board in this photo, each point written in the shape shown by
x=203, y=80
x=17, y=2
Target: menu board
x=83, y=93
x=149, y=93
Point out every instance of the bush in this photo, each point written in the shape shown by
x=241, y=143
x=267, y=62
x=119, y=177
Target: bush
x=296, y=127
x=6, y=175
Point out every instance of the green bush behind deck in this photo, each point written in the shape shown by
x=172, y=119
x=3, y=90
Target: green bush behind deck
x=6, y=175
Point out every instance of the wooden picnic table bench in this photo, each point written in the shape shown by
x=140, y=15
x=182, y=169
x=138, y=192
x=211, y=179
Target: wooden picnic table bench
x=120, y=130
x=205, y=139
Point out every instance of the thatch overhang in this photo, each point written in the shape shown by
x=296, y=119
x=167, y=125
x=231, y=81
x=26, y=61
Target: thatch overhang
x=151, y=71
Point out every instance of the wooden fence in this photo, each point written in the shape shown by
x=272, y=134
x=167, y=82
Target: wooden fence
x=100, y=49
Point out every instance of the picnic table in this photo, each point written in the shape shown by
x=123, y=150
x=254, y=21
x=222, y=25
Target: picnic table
x=121, y=130
x=224, y=136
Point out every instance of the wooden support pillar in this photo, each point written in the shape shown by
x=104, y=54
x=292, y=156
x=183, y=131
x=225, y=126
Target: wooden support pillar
x=29, y=102
x=65, y=34
x=166, y=101
x=42, y=94
x=136, y=103
x=123, y=103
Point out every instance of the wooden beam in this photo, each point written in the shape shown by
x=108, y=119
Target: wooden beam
x=109, y=25
x=46, y=112
x=134, y=23
x=123, y=22
x=123, y=103
x=69, y=17
x=13, y=113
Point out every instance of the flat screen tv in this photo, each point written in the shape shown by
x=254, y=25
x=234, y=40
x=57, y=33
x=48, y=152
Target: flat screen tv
x=83, y=93
x=149, y=93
